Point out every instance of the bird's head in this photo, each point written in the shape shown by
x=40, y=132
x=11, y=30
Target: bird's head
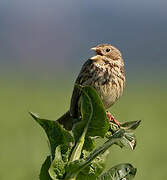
x=106, y=50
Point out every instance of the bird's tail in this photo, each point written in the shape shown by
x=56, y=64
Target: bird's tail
x=66, y=120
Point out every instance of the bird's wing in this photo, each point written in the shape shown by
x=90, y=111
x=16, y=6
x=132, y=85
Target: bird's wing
x=82, y=77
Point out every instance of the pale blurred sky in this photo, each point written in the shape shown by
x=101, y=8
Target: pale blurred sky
x=58, y=34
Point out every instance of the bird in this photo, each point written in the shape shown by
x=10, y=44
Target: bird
x=105, y=73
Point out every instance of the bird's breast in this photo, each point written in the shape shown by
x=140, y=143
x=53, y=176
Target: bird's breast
x=108, y=82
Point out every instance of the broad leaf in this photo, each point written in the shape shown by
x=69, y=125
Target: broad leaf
x=99, y=124
x=93, y=116
x=57, y=135
x=119, y=172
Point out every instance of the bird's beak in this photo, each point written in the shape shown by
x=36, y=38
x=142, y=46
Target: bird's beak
x=94, y=48
x=95, y=58
x=97, y=50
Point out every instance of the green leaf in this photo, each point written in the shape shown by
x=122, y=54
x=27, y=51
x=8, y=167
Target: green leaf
x=119, y=172
x=94, y=122
x=44, y=174
x=57, y=168
x=98, y=125
x=56, y=134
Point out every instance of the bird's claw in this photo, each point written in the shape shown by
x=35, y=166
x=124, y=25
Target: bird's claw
x=112, y=119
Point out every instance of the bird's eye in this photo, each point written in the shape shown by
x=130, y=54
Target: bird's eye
x=107, y=50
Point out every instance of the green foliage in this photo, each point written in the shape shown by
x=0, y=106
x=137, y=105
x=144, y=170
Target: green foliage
x=75, y=156
x=56, y=134
x=93, y=117
x=76, y=166
x=99, y=124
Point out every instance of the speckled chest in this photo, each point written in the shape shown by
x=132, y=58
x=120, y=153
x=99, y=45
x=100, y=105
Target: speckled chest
x=105, y=77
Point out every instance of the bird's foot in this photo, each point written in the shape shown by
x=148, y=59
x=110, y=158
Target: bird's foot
x=112, y=119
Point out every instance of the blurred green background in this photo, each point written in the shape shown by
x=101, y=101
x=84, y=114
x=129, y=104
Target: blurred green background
x=42, y=47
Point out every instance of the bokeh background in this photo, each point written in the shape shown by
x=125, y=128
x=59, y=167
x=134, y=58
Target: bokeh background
x=42, y=47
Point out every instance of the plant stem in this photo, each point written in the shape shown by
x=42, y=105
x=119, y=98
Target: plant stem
x=78, y=147
x=103, y=148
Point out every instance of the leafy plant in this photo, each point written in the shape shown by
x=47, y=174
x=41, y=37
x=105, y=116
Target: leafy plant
x=74, y=155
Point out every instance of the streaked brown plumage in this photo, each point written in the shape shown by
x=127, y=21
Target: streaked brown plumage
x=104, y=72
